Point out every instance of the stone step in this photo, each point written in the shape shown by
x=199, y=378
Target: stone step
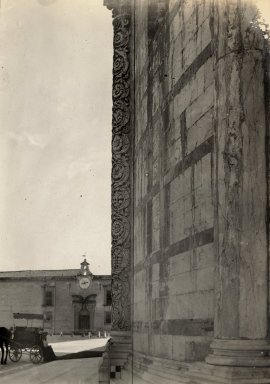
x=162, y=371
x=159, y=373
x=160, y=364
x=120, y=348
x=206, y=374
x=117, y=354
x=159, y=377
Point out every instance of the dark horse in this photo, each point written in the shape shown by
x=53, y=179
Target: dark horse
x=5, y=335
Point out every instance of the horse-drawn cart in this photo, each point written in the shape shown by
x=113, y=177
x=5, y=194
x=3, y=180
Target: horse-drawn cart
x=27, y=340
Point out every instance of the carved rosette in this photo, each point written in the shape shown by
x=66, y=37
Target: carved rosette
x=121, y=168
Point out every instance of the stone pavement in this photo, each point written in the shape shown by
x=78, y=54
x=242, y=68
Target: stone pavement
x=77, y=371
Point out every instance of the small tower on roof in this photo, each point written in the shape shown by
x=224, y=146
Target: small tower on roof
x=85, y=268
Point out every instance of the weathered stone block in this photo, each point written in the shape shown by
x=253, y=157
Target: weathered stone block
x=197, y=84
x=182, y=283
x=189, y=26
x=188, y=9
x=189, y=52
x=207, y=214
x=139, y=342
x=176, y=50
x=200, y=106
x=155, y=272
x=205, y=279
x=202, y=304
x=205, y=256
x=203, y=10
x=175, y=26
x=179, y=264
x=155, y=223
x=196, y=351
x=155, y=289
x=205, y=32
x=200, y=131
x=208, y=72
x=178, y=348
x=179, y=307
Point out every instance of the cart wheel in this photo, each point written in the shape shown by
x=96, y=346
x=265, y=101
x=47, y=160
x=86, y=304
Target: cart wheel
x=15, y=354
x=36, y=354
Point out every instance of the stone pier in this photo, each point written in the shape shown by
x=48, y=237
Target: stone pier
x=190, y=193
x=241, y=323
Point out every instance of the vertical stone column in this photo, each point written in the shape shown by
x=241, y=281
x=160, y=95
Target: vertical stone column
x=121, y=184
x=241, y=316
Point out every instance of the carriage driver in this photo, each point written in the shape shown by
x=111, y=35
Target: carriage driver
x=44, y=339
x=48, y=353
x=12, y=331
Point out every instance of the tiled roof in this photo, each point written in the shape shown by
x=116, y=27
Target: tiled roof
x=46, y=274
x=41, y=273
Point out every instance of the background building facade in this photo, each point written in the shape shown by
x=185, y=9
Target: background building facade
x=68, y=301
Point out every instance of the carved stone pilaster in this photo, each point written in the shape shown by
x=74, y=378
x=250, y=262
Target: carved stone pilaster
x=121, y=192
x=121, y=168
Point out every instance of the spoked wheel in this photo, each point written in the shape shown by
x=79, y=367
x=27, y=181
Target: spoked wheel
x=36, y=354
x=15, y=353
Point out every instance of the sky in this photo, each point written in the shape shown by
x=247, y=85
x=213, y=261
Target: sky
x=55, y=134
x=264, y=8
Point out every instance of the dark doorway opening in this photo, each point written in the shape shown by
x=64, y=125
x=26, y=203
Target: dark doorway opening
x=84, y=321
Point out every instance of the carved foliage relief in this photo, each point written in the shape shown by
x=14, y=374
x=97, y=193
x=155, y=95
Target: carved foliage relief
x=121, y=168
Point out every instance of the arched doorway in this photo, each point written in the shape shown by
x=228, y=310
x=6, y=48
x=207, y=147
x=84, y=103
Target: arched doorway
x=84, y=320
x=84, y=313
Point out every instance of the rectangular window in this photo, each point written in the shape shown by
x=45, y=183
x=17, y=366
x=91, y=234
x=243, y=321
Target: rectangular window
x=48, y=317
x=108, y=297
x=108, y=318
x=48, y=298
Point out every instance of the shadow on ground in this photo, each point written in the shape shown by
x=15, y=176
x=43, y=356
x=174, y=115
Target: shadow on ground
x=80, y=355
x=49, y=354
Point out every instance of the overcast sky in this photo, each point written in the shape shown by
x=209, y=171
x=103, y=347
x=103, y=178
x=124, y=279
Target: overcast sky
x=55, y=134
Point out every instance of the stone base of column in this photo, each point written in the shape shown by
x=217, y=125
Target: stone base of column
x=203, y=373
x=104, y=369
x=240, y=353
x=120, y=350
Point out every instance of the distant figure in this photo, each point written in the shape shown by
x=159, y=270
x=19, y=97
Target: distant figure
x=47, y=351
x=61, y=333
x=98, y=333
x=105, y=334
x=89, y=335
x=5, y=336
x=45, y=342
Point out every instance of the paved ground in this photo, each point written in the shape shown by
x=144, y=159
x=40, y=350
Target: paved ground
x=75, y=371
